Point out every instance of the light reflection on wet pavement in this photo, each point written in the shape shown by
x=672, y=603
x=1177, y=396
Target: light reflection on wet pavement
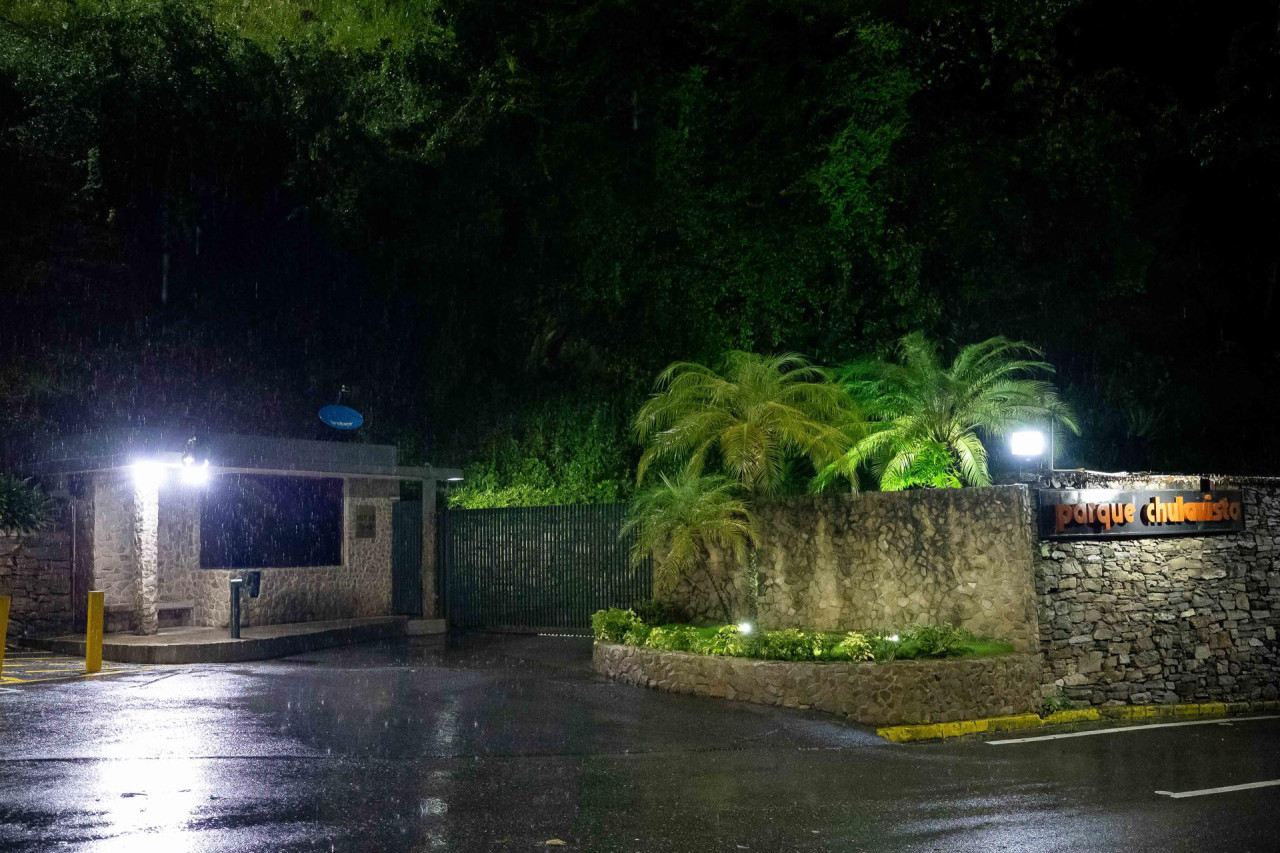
x=510, y=742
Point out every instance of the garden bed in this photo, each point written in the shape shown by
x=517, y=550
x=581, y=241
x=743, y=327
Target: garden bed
x=901, y=691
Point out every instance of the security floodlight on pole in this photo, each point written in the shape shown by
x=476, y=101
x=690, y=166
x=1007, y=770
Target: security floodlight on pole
x=1027, y=443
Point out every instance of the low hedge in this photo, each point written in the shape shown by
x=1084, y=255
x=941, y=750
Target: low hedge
x=912, y=643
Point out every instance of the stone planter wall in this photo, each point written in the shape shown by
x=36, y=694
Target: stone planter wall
x=872, y=693
x=883, y=560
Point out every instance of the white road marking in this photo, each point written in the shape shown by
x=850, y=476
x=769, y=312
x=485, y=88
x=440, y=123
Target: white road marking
x=1178, y=795
x=1135, y=728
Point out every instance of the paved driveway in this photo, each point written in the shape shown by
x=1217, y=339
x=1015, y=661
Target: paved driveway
x=23, y=666
x=511, y=743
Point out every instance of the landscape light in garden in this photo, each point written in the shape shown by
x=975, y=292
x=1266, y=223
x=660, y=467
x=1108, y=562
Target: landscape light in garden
x=744, y=627
x=453, y=479
x=1027, y=443
x=149, y=474
x=893, y=638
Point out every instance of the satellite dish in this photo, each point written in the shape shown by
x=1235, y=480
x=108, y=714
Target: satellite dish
x=341, y=417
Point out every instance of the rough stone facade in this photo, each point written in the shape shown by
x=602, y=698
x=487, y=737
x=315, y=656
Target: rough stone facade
x=871, y=693
x=178, y=546
x=171, y=573
x=114, y=558
x=883, y=560
x=1176, y=619
x=360, y=588
x=35, y=571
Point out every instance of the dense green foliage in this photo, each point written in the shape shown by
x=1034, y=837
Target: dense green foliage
x=484, y=215
x=23, y=507
x=927, y=420
x=913, y=643
x=751, y=420
x=681, y=518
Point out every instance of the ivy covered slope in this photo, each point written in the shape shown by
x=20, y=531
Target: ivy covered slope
x=616, y=625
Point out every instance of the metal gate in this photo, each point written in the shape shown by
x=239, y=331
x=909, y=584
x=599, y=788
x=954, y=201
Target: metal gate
x=537, y=567
x=406, y=557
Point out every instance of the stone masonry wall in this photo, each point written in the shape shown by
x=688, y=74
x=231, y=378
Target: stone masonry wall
x=881, y=560
x=114, y=563
x=35, y=570
x=360, y=588
x=1159, y=620
x=179, y=545
x=871, y=693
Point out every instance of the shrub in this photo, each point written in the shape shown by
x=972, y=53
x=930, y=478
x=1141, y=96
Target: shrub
x=677, y=638
x=655, y=612
x=612, y=625
x=637, y=634
x=853, y=646
x=933, y=641
x=787, y=644
x=23, y=507
x=883, y=648
x=728, y=641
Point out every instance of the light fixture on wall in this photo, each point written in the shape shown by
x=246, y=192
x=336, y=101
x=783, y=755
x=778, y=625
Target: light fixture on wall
x=195, y=475
x=1026, y=443
x=153, y=474
x=150, y=474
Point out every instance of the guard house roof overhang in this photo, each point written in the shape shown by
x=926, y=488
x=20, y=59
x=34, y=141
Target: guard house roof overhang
x=227, y=454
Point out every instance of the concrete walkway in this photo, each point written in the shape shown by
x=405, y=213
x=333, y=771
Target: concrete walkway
x=213, y=645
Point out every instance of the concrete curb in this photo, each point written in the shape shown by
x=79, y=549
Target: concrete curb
x=1019, y=722
x=232, y=651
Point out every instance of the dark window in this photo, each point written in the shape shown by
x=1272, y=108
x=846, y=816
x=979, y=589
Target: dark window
x=254, y=521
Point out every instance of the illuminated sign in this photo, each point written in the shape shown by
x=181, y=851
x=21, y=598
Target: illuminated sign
x=1108, y=513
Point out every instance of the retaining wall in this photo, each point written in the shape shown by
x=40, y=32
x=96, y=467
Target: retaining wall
x=872, y=693
x=1160, y=620
x=882, y=560
x=35, y=570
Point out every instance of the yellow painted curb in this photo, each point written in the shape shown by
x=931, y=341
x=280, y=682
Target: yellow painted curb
x=939, y=731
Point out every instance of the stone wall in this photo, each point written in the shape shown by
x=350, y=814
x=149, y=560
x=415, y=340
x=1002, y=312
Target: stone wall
x=871, y=693
x=882, y=560
x=1159, y=620
x=114, y=560
x=179, y=545
x=360, y=588
x=35, y=570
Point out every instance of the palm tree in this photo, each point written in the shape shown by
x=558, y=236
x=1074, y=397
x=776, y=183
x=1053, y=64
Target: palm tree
x=919, y=408
x=753, y=416
x=683, y=518
x=23, y=507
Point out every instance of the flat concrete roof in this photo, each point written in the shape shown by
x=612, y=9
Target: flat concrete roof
x=108, y=450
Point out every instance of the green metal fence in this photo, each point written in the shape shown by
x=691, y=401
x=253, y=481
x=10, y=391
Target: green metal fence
x=537, y=567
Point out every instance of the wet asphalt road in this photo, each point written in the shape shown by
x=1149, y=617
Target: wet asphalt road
x=510, y=742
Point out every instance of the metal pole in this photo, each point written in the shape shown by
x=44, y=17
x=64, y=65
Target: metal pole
x=236, y=583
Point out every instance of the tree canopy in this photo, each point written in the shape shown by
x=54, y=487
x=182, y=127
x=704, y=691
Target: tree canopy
x=497, y=219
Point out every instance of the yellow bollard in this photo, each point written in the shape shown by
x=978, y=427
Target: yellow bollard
x=93, y=634
x=4, y=627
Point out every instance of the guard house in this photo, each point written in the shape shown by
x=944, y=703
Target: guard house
x=161, y=522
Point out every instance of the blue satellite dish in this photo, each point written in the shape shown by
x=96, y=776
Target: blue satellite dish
x=341, y=417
